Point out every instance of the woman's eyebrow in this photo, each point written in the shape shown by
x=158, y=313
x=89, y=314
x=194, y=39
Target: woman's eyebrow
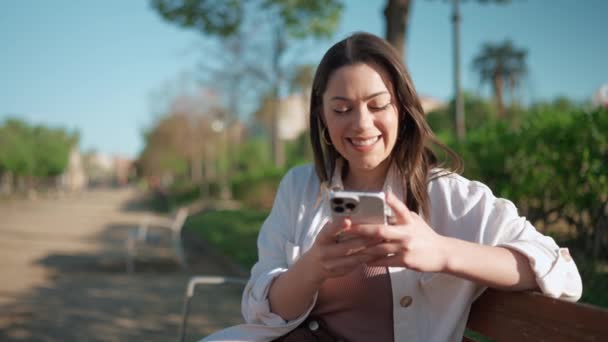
x=342, y=98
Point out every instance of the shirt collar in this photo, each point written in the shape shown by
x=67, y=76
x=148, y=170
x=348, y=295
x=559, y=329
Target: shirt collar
x=392, y=183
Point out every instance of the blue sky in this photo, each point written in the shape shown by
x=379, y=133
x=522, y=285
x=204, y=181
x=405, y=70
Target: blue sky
x=95, y=66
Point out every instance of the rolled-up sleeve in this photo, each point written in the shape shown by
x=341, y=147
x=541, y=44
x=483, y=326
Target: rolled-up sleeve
x=555, y=271
x=276, y=232
x=494, y=221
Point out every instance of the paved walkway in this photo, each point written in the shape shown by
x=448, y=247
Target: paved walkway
x=63, y=276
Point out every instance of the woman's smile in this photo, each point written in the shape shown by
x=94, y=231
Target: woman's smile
x=364, y=144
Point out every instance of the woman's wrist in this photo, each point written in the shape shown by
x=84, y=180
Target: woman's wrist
x=293, y=291
x=449, y=250
x=309, y=265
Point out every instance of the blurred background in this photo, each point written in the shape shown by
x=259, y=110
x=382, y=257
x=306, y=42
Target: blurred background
x=116, y=113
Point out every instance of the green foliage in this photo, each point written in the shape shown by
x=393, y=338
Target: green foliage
x=38, y=151
x=299, y=151
x=502, y=65
x=502, y=60
x=252, y=155
x=221, y=18
x=51, y=151
x=166, y=148
x=300, y=18
x=594, y=274
x=257, y=188
x=16, y=152
x=560, y=104
x=479, y=112
x=257, y=179
x=554, y=166
x=233, y=232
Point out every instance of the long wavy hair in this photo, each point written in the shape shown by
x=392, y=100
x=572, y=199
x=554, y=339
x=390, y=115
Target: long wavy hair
x=416, y=150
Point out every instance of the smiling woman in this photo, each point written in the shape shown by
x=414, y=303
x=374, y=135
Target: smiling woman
x=414, y=279
x=362, y=122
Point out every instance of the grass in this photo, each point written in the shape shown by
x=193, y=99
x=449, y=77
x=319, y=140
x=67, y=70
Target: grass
x=233, y=232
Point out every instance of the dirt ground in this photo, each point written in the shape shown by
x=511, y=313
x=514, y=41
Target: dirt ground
x=63, y=275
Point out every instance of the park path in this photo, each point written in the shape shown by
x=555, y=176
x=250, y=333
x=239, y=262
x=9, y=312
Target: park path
x=62, y=275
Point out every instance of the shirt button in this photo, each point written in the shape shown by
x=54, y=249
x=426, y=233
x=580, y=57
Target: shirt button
x=313, y=325
x=406, y=301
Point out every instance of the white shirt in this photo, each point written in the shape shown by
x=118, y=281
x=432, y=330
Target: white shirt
x=440, y=303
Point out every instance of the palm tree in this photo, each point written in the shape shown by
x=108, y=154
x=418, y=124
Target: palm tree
x=502, y=65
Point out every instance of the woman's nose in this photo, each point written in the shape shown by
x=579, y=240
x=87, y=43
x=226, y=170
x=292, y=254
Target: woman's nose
x=363, y=118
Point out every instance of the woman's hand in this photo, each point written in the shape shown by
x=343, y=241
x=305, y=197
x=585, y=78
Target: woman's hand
x=408, y=242
x=330, y=257
x=291, y=293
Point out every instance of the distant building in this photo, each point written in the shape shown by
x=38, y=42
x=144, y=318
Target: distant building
x=430, y=104
x=123, y=170
x=104, y=169
x=600, y=97
x=99, y=168
x=74, y=177
x=293, y=116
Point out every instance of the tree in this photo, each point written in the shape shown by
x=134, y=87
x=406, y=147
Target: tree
x=396, y=13
x=396, y=20
x=16, y=148
x=502, y=65
x=480, y=112
x=29, y=153
x=52, y=150
x=302, y=77
x=297, y=19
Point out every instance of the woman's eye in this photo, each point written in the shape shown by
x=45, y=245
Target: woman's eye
x=376, y=107
x=341, y=110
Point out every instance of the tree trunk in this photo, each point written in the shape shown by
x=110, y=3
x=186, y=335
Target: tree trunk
x=498, y=86
x=459, y=125
x=396, y=15
x=276, y=143
x=600, y=226
x=6, y=183
x=20, y=184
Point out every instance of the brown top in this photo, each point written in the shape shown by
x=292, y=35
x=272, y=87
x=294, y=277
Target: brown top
x=359, y=305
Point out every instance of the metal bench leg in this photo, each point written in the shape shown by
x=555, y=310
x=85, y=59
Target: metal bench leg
x=130, y=254
x=179, y=252
x=186, y=312
x=202, y=280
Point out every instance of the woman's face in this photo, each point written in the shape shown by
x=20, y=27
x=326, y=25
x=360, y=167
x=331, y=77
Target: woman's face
x=361, y=115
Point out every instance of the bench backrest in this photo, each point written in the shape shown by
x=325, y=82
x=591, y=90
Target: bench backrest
x=179, y=220
x=528, y=316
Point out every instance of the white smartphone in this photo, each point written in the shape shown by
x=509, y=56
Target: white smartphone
x=360, y=207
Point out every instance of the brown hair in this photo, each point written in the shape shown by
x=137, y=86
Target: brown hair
x=413, y=154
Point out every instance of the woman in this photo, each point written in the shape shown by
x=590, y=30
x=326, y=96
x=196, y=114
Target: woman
x=412, y=280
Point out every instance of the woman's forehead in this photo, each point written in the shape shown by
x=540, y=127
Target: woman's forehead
x=357, y=81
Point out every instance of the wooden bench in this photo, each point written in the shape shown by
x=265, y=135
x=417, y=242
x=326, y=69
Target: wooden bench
x=495, y=315
x=530, y=316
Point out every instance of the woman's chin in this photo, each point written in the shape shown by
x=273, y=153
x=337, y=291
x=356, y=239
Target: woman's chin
x=366, y=164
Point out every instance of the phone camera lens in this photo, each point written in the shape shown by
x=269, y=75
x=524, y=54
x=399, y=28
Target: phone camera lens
x=350, y=206
x=338, y=201
x=339, y=209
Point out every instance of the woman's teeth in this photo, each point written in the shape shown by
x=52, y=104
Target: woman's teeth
x=364, y=142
